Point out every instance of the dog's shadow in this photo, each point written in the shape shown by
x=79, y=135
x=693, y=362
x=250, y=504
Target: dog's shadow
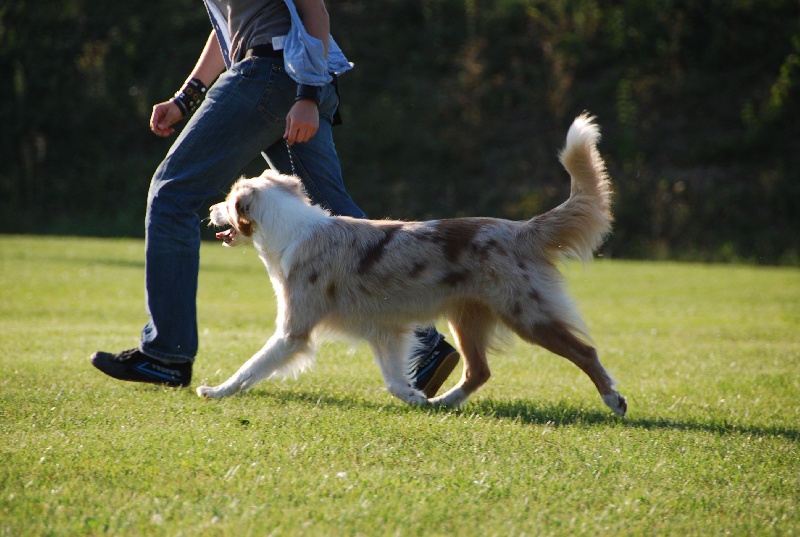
x=546, y=414
x=562, y=414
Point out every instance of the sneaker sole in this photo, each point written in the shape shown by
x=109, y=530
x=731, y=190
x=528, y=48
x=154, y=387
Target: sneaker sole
x=104, y=363
x=441, y=374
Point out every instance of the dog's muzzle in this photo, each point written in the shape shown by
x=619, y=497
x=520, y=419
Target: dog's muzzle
x=227, y=236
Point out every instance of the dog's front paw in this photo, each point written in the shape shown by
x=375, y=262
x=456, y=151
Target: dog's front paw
x=416, y=397
x=207, y=391
x=407, y=393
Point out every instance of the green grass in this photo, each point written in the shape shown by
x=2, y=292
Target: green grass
x=708, y=357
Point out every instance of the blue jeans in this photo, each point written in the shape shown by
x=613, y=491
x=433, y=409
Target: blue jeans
x=243, y=114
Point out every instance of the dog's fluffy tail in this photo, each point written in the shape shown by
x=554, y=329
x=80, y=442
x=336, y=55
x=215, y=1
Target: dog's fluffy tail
x=579, y=225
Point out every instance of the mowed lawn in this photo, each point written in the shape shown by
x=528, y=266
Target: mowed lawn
x=708, y=357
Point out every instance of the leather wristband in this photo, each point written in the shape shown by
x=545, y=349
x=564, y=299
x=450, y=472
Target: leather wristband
x=306, y=92
x=190, y=96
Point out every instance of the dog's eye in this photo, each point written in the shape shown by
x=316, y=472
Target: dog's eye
x=241, y=208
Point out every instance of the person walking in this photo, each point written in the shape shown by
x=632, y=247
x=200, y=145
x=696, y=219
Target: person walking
x=265, y=82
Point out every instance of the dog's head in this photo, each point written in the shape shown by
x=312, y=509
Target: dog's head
x=257, y=202
x=234, y=214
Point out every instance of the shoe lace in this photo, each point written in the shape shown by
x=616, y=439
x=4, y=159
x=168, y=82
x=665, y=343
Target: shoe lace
x=126, y=355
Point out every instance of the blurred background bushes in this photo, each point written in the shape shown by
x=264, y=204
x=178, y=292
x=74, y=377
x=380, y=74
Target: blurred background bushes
x=455, y=108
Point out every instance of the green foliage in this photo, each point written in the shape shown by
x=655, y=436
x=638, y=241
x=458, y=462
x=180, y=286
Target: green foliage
x=707, y=356
x=78, y=157
x=456, y=107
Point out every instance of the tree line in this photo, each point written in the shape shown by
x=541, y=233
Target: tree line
x=454, y=108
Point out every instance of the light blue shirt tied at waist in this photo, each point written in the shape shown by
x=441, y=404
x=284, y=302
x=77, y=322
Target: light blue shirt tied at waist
x=303, y=54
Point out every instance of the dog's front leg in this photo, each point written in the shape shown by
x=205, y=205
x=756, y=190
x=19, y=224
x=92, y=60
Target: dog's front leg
x=391, y=352
x=277, y=352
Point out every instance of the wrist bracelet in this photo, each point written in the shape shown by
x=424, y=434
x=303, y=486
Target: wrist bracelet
x=181, y=106
x=190, y=96
x=306, y=92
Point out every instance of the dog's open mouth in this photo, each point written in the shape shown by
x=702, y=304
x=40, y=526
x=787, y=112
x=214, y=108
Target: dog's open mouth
x=227, y=236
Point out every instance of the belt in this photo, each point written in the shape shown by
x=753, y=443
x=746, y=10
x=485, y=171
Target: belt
x=263, y=51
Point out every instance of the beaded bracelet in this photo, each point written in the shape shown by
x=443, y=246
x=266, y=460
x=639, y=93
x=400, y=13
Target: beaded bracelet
x=190, y=96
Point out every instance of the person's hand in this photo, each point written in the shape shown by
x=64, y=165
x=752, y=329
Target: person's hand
x=302, y=122
x=163, y=117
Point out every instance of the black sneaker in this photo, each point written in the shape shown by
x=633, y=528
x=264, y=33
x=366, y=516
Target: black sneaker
x=135, y=366
x=433, y=369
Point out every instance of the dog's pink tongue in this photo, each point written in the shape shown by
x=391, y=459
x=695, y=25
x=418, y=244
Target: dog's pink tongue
x=226, y=236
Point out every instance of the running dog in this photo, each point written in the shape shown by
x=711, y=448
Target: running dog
x=377, y=280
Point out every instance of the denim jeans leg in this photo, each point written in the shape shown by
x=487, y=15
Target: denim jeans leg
x=243, y=113
x=317, y=163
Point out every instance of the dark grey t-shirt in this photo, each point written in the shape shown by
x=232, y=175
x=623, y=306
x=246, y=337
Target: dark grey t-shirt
x=253, y=22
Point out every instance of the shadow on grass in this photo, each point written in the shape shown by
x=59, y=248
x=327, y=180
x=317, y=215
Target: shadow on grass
x=560, y=414
x=535, y=413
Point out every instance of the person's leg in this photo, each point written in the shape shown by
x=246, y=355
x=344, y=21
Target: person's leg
x=241, y=114
x=317, y=163
x=244, y=111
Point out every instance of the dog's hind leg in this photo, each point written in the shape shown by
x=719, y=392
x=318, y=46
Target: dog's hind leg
x=471, y=325
x=392, y=351
x=557, y=338
x=278, y=352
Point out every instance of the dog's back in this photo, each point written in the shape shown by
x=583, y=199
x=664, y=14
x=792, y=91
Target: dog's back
x=392, y=267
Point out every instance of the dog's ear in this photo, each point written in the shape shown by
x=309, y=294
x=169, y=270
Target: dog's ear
x=242, y=205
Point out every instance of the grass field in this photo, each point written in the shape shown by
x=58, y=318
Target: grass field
x=708, y=357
